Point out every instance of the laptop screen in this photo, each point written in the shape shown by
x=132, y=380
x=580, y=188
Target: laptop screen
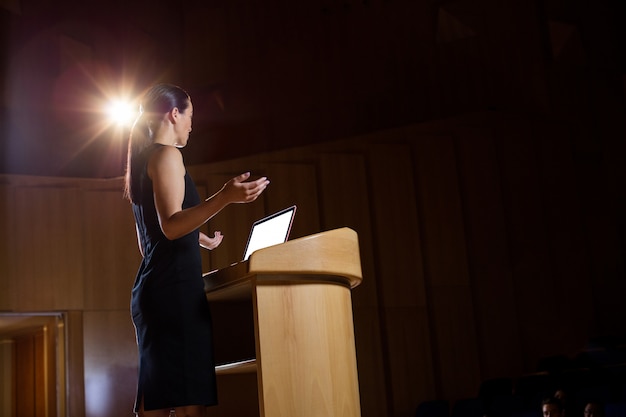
x=270, y=230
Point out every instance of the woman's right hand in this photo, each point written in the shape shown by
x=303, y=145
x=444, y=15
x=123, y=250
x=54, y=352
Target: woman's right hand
x=237, y=190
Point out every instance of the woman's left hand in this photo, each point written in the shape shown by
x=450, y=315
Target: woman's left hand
x=211, y=242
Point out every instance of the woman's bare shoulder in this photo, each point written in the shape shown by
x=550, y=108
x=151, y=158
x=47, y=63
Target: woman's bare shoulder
x=165, y=157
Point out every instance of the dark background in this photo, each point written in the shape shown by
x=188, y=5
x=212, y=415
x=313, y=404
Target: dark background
x=268, y=75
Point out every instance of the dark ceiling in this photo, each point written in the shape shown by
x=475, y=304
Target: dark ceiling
x=272, y=74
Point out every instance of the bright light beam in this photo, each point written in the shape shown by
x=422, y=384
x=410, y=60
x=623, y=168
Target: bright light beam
x=121, y=112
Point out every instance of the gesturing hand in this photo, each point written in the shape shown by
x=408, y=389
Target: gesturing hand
x=211, y=243
x=237, y=190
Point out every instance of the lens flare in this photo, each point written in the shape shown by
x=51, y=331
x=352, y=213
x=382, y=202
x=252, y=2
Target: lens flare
x=121, y=112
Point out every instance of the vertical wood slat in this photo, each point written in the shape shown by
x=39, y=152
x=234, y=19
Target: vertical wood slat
x=111, y=252
x=48, y=244
x=390, y=174
x=409, y=357
x=401, y=276
x=603, y=225
x=493, y=289
x=75, y=395
x=566, y=246
x=531, y=266
x=8, y=287
x=446, y=266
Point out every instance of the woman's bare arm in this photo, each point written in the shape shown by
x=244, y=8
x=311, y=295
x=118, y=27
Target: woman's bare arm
x=167, y=171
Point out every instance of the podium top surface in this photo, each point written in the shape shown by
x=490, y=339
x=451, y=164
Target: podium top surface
x=331, y=256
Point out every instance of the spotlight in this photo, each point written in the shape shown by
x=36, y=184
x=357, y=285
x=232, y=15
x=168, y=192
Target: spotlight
x=121, y=112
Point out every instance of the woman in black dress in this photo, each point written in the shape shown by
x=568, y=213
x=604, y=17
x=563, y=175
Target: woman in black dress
x=168, y=305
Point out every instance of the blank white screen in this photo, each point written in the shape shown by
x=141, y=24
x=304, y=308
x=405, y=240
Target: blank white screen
x=268, y=233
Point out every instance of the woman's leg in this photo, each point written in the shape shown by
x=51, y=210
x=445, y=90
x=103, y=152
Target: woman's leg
x=192, y=411
x=164, y=412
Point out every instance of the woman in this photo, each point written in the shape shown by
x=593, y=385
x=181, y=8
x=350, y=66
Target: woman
x=168, y=305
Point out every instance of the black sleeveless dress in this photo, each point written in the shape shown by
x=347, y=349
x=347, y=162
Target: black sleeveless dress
x=169, y=309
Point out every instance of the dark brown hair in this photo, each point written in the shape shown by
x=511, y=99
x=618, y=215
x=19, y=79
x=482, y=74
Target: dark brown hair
x=157, y=101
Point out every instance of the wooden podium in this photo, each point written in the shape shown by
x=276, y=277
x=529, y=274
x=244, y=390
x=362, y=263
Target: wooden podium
x=295, y=300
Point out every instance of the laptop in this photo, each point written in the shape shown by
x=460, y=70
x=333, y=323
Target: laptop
x=271, y=230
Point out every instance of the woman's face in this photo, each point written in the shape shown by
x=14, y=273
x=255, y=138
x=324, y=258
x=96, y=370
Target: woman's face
x=183, y=126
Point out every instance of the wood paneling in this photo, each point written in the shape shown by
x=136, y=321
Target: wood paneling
x=75, y=367
x=111, y=250
x=400, y=274
x=493, y=289
x=48, y=249
x=570, y=266
x=8, y=288
x=441, y=213
x=409, y=358
x=531, y=267
x=451, y=305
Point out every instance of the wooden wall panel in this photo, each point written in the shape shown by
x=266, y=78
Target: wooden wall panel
x=345, y=201
x=409, y=358
x=400, y=276
x=374, y=386
x=457, y=369
x=488, y=254
x=75, y=395
x=603, y=223
x=110, y=355
x=112, y=254
x=535, y=290
x=48, y=249
x=567, y=248
x=446, y=266
x=8, y=287
x=441, y=211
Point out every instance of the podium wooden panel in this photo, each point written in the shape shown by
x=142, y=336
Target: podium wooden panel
x=301, y=308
